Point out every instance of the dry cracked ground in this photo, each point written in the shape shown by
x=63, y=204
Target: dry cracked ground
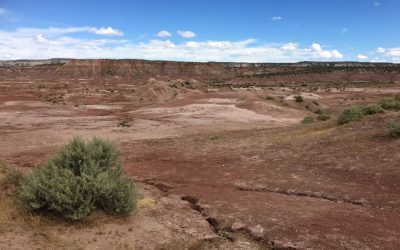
x=221, y=167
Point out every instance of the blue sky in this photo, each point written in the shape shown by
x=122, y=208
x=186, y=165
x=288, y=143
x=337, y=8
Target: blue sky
x=207, y=30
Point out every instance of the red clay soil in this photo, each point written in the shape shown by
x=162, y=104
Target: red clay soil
x=330, y=188
x=244, y=164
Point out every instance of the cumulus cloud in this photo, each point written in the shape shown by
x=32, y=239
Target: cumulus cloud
x=389, y=52
x=276, y=18
x=32, y=43
x=186, y=33
x=106, y=31
x=164, y=33
x=289, y=46
x=362, y=57
x=380, y=50
x=318, y=52
x=316, y=47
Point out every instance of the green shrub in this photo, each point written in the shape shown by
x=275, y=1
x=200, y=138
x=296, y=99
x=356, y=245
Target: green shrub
x=298, y=98
x=124, y=123
x=80, y=177
x=389, y=102
x=116, y=194
x=324, y=116
x=371, y=109
x=394, y=129
x=214, y=137
x=353, y=113
x=308, y=120
x=59, y=191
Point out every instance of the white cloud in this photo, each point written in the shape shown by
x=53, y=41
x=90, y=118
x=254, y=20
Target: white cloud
x=164, y=33
x=316, y=47
x=32, y=43
x=394, y=52
x=377, y=4
x=344, y=30
x=186, y=33
x=290, y=46
x=2, y=12
x=276, y=18
x=389, y=52
x=69, y=30
x=362, y=57
x=380, y=50
x=106, y=31
x=318, y=52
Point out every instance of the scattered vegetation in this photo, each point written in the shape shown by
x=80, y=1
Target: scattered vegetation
x=356, y=112
x=390, y=102
x=308, y=120
x=394, y=129
x=215, y=137
x=353, y=113
x=124, y=123
x=371, y=109
x=81, y=176
x=323, y=116
x=298, y=98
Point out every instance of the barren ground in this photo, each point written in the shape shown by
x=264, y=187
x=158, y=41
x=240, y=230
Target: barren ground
x=227, y=168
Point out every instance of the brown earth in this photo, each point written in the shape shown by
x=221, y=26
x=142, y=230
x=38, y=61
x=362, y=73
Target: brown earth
x=228, y=167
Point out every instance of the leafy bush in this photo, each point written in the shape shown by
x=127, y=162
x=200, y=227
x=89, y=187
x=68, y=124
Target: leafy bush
x=308, y=120
x=390, y=102
x=372, y=109
x=298, y=98
x=324, y=116
x=116, y=194
x=81, y=176
x=394, y=129
x=353, y=113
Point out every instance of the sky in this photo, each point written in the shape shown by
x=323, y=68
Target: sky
x=202, y=30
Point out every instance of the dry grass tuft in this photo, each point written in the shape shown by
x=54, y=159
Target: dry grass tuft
x=146, y=203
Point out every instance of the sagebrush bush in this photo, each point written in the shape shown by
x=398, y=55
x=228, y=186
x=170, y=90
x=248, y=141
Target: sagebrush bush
x=353, y=113
x=356, y=112
x=371, y=109
x=298, y=98
x=390, y=102
x=80, y=177
x=323, y=116
x=394, y=129
x=308, y=120
x=116, y=194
